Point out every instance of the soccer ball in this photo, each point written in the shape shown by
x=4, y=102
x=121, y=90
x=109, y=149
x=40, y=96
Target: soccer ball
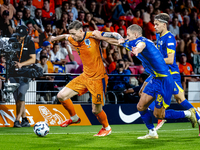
x=41, y=128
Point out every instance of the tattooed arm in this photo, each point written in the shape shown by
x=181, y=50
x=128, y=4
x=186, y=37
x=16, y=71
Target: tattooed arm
x=110, y=37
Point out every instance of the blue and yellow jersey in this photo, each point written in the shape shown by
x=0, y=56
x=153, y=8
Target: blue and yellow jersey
x=151, y=58
x=167, y=44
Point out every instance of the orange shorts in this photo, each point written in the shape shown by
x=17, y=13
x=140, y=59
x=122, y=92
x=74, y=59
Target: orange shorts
x=96, y=87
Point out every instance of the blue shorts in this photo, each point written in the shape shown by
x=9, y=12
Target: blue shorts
x=177, y=79
x=161, y=89
x=178, y=87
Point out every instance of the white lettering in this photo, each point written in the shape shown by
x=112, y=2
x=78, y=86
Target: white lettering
x=31, y=121
x=4, y=114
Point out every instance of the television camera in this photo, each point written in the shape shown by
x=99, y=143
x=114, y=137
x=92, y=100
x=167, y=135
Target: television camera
x=8, y=48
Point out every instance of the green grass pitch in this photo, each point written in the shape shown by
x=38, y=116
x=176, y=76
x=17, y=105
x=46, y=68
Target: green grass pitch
x=172, y=136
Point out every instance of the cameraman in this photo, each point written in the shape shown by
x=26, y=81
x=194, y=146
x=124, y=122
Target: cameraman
x=25, y=57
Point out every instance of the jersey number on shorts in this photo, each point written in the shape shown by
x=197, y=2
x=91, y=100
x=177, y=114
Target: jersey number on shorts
x=98, y=97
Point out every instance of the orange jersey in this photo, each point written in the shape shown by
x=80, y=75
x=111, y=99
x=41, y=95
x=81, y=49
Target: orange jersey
x=138, y=21
x=90, y=54
x=187, y=69
x=33, y=35
x=38, y=3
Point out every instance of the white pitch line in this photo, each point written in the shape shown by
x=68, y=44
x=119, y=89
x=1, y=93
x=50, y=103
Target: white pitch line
x=96, y=132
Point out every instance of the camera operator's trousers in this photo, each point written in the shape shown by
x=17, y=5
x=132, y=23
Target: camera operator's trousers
x=19, y=93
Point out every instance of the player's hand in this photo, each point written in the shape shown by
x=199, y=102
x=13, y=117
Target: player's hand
x=96, y=34
x=18, y=65
x=120, y=41
x=134, y=51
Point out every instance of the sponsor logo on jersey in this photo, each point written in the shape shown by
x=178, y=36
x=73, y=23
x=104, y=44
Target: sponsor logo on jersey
x=160, y=42
x=170, y=44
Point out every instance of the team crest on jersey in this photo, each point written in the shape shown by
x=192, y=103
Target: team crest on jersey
x=160, y=42
x=188, y=68
x=87, y=42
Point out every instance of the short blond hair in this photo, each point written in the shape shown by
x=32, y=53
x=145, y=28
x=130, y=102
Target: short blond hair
x=135, y=28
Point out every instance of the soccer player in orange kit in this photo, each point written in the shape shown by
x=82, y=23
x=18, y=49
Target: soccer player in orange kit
x=93, y=79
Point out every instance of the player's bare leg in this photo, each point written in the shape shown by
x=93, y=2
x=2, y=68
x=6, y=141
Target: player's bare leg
x=64, y=97
x=102, y=118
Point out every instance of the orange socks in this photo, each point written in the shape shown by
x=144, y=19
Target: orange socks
x=102, y=118
x=68, y=105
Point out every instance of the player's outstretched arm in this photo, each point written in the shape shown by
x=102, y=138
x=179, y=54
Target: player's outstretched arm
x=109, y=37
x=138, y=49
x=59, y=37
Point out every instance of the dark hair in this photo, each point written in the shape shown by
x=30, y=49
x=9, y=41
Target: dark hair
x=42, y=51
x=120, y=29
x=47, y=23
x=47, y=1
x=29, y=23
x=162, y=17
x=64, y=13
x=75, y=25
x=55, y=44
x=174, y=18
x=185, y=9
x=1, y=56
x=135, y=27
x=135, y=11
x=115, y=52
x=152, y=14
x=37, y=9
x=19, y=11
x=120, y=60
x=193, y=10
x=93, y=1
x=144, y=76
x=80, y=12
x=43, y=56
x=86, y=26
x=64, y=3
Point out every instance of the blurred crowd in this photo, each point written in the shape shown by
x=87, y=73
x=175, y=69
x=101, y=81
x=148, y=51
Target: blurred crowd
x=44, y=18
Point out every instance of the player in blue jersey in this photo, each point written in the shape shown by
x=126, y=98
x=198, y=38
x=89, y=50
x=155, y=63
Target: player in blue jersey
x=160, y=87
x=166, y=43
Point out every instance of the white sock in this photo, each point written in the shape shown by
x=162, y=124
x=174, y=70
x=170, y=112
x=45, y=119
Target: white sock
x=74, y=118
x=187, y=113
x=108, y=128
x=153, y=132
